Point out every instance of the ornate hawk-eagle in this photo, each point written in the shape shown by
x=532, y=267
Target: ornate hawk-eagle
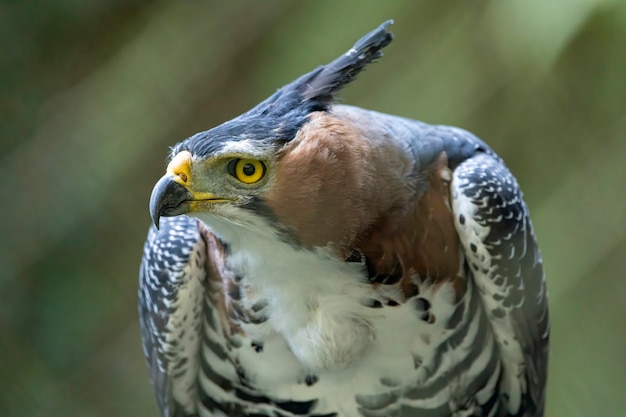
x=315, y=259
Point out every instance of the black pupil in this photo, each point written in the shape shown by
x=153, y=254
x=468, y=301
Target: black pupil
x=248, y=170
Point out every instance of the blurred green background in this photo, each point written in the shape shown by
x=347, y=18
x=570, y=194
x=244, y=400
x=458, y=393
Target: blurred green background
x=94, y=92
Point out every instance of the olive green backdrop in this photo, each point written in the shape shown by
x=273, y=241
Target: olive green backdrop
x=94, y=92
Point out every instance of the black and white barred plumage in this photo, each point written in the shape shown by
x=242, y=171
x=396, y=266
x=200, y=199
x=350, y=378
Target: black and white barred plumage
x=407, y=282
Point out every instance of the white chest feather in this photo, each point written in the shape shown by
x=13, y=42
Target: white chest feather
x=315, y=301
x=319, y=323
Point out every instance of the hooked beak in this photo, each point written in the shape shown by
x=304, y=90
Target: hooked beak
x=169, y=198
x=175, y=194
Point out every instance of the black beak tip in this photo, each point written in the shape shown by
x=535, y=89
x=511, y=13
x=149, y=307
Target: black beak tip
x=168, y=199
x=156, y=220
x=156, y=199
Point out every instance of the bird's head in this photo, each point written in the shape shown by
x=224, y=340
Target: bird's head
x=283, y=161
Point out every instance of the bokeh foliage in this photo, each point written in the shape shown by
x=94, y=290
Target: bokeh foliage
x=92, y=94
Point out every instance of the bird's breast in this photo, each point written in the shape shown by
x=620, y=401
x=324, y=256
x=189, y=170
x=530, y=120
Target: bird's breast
x=314, y=301
x=406, y=352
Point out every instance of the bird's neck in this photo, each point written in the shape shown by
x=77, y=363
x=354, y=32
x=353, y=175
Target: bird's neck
x=314, y=299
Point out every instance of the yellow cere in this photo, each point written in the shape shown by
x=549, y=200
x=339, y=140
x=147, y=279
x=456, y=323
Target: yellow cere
x=249, y=171
x=180, y=168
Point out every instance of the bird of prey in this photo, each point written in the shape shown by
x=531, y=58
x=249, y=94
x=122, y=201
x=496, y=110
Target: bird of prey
x=314, y=259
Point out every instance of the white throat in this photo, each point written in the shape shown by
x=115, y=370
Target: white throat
x=315, y=300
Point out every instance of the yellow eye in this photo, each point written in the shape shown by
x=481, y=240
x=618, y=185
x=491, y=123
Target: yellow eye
x=247, y=171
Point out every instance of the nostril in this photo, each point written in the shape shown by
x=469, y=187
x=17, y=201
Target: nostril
x=180, y=168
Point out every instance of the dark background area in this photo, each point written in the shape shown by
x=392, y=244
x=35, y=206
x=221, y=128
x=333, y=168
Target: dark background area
x=92, y=94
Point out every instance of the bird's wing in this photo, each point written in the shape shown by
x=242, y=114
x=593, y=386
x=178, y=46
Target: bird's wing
x=495, y=231
x=180, y=261
x=190, y=311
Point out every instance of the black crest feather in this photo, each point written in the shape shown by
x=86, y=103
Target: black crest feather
x=330, y=78
x=279, y=117
x=316, y=89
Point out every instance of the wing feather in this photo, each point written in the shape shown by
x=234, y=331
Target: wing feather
x=171, y=300
x=497, y=237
